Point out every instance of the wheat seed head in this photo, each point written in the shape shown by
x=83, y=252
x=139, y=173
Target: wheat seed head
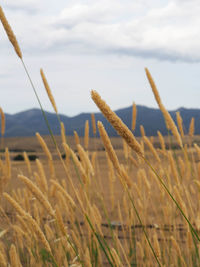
x=162, y=141
x=64, y=193
x=151, y=147
x=108, y=146
x=180, y=123
x=38, y=232
x=94, y=128
x=83, y=154
x=48, y=90
x=77, y=139
x=63, y=135
x=15, y=205
x=117, y=123
x=134, y=116
x=77, y=162
x=153, y=87
x=44, y=146
x=60, y=220
x=10, y=33
x=142, y=131
x=2, y=259
x=86, y=136
x=3, y=122
x=37, y=193
x=171, y=125
x=14, y=259
x=191, y=127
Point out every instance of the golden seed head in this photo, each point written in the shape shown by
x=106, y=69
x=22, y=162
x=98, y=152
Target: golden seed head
x=142, y=130
x=171, y=125
x=162, y=141
x=117, y=123
x=37, y=193
x=77, y=139
x=151, y=147
x=3, y=122
x=10, y=33
x=153, y=87
x=48, y=90
x=134, y=116
x=44, y=146
x=94, y=128
x=191, y=127
x=63, y=135
x=108, y=146
x=180, y=123
x=15, y=205
x=86, y=137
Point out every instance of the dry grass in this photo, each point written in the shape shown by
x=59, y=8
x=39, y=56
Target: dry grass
x=112, y=206
x=163, y=222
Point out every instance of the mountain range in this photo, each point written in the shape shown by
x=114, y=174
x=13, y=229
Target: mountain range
x=27, y=123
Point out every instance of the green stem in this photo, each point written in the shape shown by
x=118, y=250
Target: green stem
x=100, y=243
x=178, y=206
x=44, y=115
x=140, y=221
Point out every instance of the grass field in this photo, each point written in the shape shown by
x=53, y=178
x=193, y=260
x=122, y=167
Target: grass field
x=108, y=202
x=115, y=220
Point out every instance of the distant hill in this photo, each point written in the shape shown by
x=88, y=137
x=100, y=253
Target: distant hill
x=28, y=122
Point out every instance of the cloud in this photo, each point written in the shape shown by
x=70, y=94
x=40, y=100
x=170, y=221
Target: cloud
x=167, y=31
x=28, y=6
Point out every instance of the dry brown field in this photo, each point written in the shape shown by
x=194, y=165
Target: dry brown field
x=160, y=217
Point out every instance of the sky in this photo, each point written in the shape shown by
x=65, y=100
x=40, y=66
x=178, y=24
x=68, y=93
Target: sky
x=103, y=45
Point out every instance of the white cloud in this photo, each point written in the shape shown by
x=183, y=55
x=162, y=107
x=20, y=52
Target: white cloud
x=171, y=31
x=29, y=6
x=168, y=31
x=84, y=44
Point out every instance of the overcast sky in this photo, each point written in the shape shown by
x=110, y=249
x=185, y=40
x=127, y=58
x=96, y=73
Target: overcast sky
x=103, y=45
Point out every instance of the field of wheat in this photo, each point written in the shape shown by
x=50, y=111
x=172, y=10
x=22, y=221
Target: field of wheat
x=100, y=201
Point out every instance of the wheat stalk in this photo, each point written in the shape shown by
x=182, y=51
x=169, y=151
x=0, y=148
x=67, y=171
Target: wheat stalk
x=191, y=128
x=3, y=122
x=153, y=87
x=77, y=140
x=37, y=193
x=171, y=125
x=112, y=155
x=63, y=135
x=64, y=193
x=39, y=232
x=77, y=162
x=14, y=259
x=29, y=218
x=10, y=33
x=8, y=163
x=86, y=159
x=48, y=90
x=44, y=146
x=180, y=123
x=26, y=158
x=94, y=128
x=162, y=141
x=117, y=123
x=151, y=147
x=108, y=146
x=86, y=136
x=14, y=203
x=134, y=116
x=2, y=260
x=142, y=131
x=168, y=119
x=60, y=220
